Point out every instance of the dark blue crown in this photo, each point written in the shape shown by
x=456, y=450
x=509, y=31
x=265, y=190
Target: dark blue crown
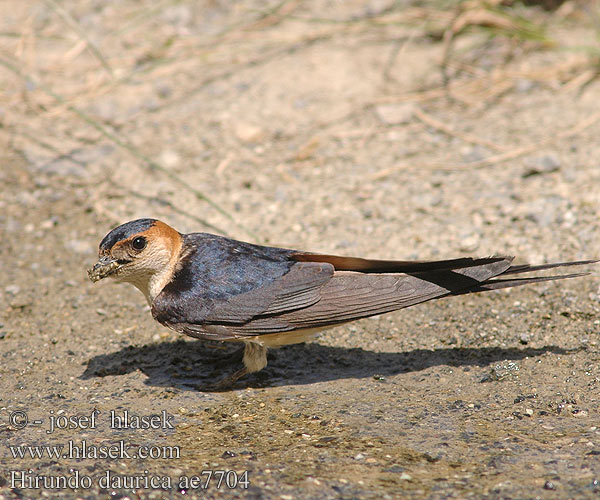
x=125, y=231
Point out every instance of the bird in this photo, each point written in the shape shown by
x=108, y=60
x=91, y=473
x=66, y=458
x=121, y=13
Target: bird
x=217, y=288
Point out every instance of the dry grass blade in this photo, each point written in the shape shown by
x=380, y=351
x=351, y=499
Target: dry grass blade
x=490, y=17
x=516, y=153
x=100, y=208
x=482, y=17
x=442, y=127
x=145, y=12
x=173, y=208
x=150, y=163
x=274, y=15
x=74, y=25
x=495, y=159
x=262, y=59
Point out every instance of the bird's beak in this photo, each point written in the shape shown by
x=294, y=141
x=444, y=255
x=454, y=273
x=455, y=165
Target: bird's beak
x=104, y=267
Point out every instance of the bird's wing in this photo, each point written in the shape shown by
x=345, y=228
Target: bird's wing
x=298, y=288
x=252, y=291
x=343, y=296
x=211, y=314
x=348, y=296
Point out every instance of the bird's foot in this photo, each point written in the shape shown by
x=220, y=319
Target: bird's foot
x=226, y=382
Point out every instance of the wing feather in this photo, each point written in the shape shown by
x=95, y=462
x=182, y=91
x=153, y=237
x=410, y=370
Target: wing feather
x=348, y=296
x=297, y=289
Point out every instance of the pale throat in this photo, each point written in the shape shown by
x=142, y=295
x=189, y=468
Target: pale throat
x=157, y=272
x=150, y=283
x=156, y=283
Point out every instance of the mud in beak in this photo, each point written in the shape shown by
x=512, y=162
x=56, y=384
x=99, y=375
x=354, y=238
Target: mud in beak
x=103, y=268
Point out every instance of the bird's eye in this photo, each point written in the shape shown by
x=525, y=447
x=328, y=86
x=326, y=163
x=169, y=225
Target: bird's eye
x=138, y=243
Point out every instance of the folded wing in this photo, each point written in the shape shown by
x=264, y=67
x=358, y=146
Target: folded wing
x=306, y=291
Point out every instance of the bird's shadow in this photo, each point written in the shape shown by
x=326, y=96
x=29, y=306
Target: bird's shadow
x=198, y=365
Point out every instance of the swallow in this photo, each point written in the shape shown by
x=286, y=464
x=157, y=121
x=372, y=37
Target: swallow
x=212, y=287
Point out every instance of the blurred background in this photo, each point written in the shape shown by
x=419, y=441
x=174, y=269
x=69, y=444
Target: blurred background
x=425, y=127
x=384, y=128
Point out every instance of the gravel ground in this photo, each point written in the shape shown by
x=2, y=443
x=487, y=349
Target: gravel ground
x=322, y=126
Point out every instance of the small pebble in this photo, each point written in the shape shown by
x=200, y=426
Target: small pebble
x=170, y=158
x=395, y=114
x=49, y=223
x=13, y=289
x=394, y=468
x=249, y=133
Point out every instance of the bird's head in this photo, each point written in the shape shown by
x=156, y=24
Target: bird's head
x=143, y=252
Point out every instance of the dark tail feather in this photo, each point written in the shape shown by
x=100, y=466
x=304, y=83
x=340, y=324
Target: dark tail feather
x=525, y=268
x=497, y=284
x=395, y=266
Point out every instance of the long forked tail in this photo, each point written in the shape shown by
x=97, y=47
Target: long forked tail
x=500, y=281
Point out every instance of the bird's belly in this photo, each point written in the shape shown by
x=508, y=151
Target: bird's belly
x=285, y=338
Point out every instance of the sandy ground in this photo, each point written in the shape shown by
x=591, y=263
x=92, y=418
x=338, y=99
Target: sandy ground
x=323, y=126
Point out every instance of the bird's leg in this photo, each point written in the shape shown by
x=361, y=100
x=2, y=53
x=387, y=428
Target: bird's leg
x=229, y=380
x=255, y=359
